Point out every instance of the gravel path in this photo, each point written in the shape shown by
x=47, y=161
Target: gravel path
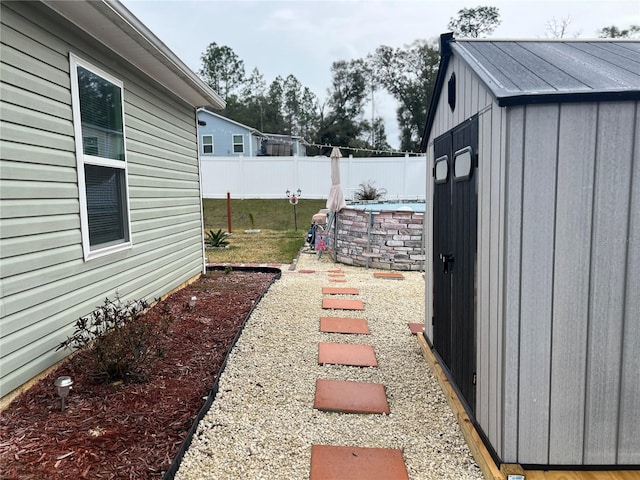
x=262, y=423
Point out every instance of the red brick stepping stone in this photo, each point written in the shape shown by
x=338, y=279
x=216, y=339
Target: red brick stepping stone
x=330, y=462
x=336, y=275
x=343, y=325
x=396, y=276
x=415, y=328
x=342, y=304
x=350, y=397
x=337, y=280
x=339, y=291
x=335, y=270
x=306, y=271
x=346, y=354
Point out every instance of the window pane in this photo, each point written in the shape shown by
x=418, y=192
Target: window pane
x=207, y=144
x=105, y=205
x=238, y=144
x=462, y=164
x=101, y=115
x=442, y=170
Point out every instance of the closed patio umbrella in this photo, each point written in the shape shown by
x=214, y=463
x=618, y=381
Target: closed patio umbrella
x=335, y=201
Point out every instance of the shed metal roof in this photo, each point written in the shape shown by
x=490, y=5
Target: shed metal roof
x=519, y=72
x=513, y=70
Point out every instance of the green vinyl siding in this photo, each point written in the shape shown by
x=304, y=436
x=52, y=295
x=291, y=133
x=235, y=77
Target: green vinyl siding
x=46, y=283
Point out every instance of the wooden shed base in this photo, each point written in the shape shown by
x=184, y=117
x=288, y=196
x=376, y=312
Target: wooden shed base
x=483, y=458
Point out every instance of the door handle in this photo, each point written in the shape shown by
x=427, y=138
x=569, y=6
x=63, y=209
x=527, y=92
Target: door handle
x=446, y=258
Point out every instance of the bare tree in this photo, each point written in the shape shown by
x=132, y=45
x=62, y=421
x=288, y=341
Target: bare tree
x=559, y=28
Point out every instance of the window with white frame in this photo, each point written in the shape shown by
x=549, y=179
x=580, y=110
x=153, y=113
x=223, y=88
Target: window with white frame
x=98, y=118
x=238, y=144
x=207, y=144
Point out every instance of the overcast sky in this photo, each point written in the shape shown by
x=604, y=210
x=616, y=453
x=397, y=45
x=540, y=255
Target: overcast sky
x=304, y=37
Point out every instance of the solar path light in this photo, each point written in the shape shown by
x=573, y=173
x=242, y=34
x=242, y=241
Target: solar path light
x=63, y=385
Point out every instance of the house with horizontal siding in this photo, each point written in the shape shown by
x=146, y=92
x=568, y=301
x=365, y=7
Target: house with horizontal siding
x=99, y=168
x=220, y=136
x=533, y=176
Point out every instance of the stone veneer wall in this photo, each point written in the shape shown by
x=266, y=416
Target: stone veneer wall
x=393, y=242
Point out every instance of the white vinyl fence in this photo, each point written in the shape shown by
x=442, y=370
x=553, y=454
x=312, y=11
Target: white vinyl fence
x=404, y=178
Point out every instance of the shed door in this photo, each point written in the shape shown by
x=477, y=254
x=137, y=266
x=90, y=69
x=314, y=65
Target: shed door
x=454, y=253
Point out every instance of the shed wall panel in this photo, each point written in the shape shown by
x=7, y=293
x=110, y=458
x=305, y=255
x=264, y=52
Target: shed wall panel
x=496, y=257
x=608, y=266
x=629, y=434
x=538, y=205
x=46, y=284
x=514, y=172
x=483, y=328
x=576, y=160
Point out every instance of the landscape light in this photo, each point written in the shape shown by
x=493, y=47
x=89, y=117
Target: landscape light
x=192, y=301
x=63, y=385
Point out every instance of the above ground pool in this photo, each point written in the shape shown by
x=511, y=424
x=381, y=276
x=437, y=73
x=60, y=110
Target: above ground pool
x=379, y=235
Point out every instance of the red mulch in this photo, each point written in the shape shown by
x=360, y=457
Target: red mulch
x=130, y=431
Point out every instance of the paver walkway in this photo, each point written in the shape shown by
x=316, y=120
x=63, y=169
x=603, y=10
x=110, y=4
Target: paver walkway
x=351, y=462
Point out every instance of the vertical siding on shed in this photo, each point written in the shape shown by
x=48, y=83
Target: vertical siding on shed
x=538, y=210
x=608, y=271
x=576, y=160
x=629, y=434
x=490, y=273
x=46, y=284
x=514, y=173
x=571, y=331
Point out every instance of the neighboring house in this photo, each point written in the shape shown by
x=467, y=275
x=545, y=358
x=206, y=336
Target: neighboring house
x=533, y=151
x=100, y=184
x=222, y=137
x=219, y=136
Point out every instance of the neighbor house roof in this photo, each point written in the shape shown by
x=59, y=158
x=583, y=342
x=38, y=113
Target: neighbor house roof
x=519, y=72
x=226, y=119
x=109, y=22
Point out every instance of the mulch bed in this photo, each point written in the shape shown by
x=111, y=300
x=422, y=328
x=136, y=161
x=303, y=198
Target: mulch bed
x=133, y=430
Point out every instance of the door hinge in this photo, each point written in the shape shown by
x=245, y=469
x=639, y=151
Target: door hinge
x=474, y=378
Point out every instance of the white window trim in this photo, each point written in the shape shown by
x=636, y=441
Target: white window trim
x=233, y=144
x=213, y=147
x=81, y=159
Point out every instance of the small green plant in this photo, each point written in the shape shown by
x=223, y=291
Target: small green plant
x=217, y=239
x=252, y=221
x=119, y=341
x=228, y=269
x=368, y=191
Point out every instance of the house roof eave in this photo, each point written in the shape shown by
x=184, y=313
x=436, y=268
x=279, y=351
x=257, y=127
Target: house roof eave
x=113, y=25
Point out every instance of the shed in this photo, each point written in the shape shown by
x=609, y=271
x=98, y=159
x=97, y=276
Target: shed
x=533, y=151
x=100, y=186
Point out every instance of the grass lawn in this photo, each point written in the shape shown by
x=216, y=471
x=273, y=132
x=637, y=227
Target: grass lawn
x=277, y=242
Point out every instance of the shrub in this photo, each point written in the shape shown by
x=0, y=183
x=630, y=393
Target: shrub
x=119, y=341
x=367, y=191
x=217, y=239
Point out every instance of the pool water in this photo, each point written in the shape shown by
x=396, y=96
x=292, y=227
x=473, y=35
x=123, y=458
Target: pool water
x=384, y=207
